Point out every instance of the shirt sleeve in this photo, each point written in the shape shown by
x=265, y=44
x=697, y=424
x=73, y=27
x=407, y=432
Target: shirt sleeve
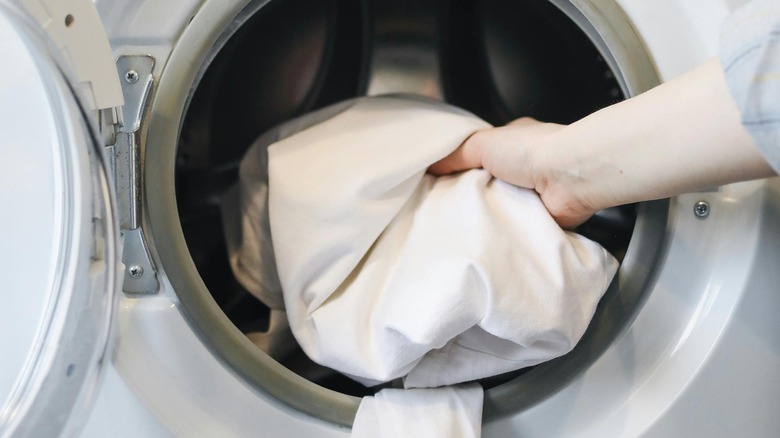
x=750, y=55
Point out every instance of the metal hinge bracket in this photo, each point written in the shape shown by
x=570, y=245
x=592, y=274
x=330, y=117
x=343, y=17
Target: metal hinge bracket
x=135, y=72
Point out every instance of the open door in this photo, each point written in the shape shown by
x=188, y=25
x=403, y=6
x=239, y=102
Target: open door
x=59, y=240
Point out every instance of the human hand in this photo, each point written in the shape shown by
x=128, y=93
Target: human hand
x=683, y=136
x=516, y=153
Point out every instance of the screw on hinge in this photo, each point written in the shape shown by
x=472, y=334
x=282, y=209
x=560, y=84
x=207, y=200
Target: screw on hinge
x=131, y=76
x=701, y=209
x=136, y=271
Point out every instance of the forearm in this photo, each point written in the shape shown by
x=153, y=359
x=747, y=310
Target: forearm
x=683, y=136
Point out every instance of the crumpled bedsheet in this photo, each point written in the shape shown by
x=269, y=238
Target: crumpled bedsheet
x=385, y=271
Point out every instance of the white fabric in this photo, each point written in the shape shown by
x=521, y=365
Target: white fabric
x=390, y=272
x=450, y=412
x=245, y=213
x=248, y=233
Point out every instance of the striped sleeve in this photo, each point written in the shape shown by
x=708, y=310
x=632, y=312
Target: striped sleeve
x=750, y=55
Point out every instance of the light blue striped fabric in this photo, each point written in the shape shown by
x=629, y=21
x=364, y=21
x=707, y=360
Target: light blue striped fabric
x=750, y=54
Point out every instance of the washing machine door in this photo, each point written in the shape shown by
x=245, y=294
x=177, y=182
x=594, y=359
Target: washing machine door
x=58, y=238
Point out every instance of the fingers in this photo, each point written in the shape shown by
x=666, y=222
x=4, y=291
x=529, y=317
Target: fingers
x=524, y=121
x=503, y=151
x=510, y=153
x=571, y=221
x=467, y=156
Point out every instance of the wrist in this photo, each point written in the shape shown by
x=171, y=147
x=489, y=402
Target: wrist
x=565, y=172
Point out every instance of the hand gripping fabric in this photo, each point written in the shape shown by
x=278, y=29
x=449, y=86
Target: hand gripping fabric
x=389, y=272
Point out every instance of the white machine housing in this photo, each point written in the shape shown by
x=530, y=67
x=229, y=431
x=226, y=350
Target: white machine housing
x=697, y=354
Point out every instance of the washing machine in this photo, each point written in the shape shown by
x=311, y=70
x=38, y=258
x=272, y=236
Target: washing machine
x=122, y=126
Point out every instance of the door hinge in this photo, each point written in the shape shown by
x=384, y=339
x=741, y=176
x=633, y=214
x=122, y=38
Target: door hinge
x=135, y=72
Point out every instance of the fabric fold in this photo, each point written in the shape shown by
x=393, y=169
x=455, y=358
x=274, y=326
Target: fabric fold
x=390, y=272
x=452, y=412
x=386, y=272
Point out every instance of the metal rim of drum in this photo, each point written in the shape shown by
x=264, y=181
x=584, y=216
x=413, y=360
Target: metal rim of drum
x=606, y=24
